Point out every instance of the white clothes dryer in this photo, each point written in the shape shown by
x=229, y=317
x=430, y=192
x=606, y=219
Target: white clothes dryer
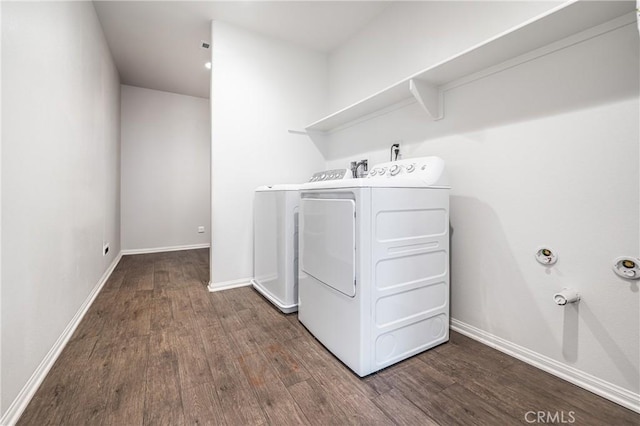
x=374, y=271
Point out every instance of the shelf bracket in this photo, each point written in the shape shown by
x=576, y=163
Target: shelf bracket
x=428, y=96
x=298, y=132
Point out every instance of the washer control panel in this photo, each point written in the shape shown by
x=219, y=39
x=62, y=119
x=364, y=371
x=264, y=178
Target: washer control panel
x=335, y=174
x=428, y=169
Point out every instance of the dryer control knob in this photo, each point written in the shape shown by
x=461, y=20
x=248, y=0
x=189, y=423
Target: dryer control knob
x=394, y=170
x=411, y=168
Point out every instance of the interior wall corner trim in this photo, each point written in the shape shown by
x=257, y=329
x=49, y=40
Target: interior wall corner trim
x=19, y=404
x=600, y=387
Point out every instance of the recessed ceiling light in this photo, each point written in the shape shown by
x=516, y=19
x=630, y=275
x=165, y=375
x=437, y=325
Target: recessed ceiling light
x=208, y=65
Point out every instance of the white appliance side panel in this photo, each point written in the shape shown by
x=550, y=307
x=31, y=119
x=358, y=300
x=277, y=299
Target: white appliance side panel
x=410, y=266
x=411, y=303
x=295, y=246
x=265, y=239
x=289, y=263
x=406, y=341
x=402, y=224
x=275, y=254
x=328, y=252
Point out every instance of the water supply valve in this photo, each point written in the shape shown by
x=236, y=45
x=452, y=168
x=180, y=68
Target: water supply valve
x=546, y=256
x=627, y=268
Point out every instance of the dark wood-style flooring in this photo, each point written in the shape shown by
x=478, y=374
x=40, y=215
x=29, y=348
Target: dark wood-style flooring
x=156, y=348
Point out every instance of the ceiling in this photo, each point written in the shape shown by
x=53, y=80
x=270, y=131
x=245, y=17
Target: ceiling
x=155, y=44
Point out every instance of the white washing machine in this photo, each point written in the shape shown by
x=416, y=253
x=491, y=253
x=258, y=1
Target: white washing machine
x=374, y=263
x=275, y=240
x=275, y=245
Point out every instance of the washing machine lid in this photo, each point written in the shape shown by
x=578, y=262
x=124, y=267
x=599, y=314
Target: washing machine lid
x=279, y=187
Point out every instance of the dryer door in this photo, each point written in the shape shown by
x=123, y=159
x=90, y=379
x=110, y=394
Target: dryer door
x=329, y=242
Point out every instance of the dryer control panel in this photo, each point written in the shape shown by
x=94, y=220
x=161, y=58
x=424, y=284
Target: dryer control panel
x=335, y=174
x=428, y=169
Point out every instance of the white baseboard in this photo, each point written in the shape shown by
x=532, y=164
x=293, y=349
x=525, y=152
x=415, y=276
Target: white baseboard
x=226, y=285
x=607, y=390
x=163, y=249
x=19, y=404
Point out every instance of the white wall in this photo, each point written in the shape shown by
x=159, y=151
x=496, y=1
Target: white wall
x=410, y=36
x=166, y=169
x=261, y=87
x=1, y=409
x=60, y=176
x=545, y=153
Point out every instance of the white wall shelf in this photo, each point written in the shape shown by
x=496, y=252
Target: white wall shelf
x=543, y=34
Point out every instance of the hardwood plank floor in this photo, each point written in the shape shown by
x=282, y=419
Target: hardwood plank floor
x=156, y=348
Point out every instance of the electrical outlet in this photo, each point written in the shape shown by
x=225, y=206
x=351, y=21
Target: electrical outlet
x=200, y=229
x=105, y=249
